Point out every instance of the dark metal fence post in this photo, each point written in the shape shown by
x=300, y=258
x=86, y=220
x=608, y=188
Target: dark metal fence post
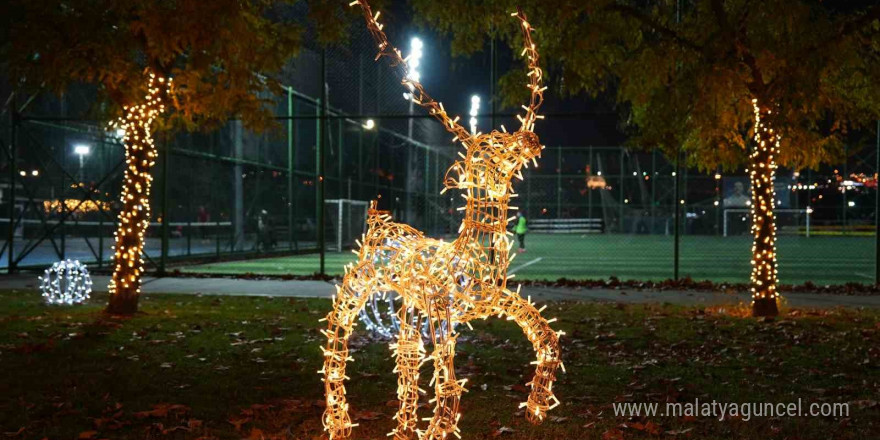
x=339, y=157
x=62, y=218
x=13, y=122
x=163, y=257
x=103, y=145
x=320, y=159
x=100, y=237
x=620, y=201
x=291, y=170
x=877, y=212
x=426, y=181
x=677, y=186
x=558, y=183
x=677, y=213
x=217, y=237
x=845, y=205
x=653, y=190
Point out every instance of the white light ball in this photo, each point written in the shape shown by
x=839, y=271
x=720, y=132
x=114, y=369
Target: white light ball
x=379, y=315
x=67, y=282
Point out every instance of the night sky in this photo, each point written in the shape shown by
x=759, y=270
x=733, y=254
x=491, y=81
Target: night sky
x=578, y=120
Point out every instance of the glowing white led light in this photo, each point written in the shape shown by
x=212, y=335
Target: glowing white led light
x=414, y=60
x=67, y=282
x=82, y=149
x=370, y=124
x=475, y=110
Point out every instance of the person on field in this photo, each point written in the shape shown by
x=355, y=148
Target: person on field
x=521, y=230
x=264, y=232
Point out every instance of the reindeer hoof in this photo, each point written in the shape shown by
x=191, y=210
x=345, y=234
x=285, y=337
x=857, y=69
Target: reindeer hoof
x=535, y=419
x=338, y=425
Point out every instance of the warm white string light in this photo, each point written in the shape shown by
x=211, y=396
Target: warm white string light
x=762, y=170
x=66, y=282
x=444, y=283
x=140, y=156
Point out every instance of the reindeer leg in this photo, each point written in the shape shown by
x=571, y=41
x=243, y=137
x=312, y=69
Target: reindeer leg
x=357, y=286
x=409, y=352
x=546, y=344
x=446, y=388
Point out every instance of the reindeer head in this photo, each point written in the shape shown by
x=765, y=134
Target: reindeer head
x=492, y=159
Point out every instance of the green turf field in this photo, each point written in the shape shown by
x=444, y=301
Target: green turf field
x=822, y=260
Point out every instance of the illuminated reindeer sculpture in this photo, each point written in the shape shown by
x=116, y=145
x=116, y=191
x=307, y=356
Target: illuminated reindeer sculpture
x=444, y=283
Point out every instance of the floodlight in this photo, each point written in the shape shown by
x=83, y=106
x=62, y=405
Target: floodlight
x=82, y=149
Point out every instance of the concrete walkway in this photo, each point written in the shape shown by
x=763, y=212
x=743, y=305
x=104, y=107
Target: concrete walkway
x=322, y=289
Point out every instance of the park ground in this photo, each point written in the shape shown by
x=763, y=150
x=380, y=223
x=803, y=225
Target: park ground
x=820, y=259
x=230, y=367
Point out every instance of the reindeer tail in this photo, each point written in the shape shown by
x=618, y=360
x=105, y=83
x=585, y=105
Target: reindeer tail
x=376, y=216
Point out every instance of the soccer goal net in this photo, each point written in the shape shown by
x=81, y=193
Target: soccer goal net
x=346, y=220
x=737, y=221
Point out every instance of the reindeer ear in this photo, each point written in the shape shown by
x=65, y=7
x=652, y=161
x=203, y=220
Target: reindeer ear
x=453, y=175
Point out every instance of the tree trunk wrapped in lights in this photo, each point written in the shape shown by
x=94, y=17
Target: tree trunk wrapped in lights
x=134, y=218
x=444, y=283
x=762, y=170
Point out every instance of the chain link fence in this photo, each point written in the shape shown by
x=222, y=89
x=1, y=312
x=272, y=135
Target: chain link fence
x=286, y=201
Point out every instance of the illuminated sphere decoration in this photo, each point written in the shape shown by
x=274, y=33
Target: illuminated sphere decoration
x=379, y=317
x=67, y=282
x=441, y=284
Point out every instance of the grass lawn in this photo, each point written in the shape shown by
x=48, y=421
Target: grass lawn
x=822, y=260
x=190, y=367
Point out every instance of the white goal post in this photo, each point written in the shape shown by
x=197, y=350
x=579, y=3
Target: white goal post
x=746, y=212
x=348, y=219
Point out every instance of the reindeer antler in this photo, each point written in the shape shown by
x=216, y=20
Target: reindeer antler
x=535, y=75
x=419, y=95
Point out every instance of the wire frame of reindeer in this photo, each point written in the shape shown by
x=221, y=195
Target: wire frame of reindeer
x=444, y=283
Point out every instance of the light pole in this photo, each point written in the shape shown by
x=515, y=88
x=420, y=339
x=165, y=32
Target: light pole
x=413, y=62
x=81, y=150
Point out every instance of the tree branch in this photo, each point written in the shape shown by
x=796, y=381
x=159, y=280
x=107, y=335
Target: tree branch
x=646, y=20
x=846, y=29
x=856, y=25
x=721, y=17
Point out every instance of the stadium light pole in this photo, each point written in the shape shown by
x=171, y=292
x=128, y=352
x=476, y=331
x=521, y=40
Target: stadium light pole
x=414, y=60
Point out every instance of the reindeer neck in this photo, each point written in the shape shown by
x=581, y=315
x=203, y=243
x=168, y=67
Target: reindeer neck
x=484, y=217
x=483, y=234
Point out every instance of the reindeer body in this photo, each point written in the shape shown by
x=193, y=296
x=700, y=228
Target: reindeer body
x=444, y=283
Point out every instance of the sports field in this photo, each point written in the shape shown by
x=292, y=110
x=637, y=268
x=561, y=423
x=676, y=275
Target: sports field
x=822, y=260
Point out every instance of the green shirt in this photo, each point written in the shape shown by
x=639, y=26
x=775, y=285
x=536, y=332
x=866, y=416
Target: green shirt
x=521, y=226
